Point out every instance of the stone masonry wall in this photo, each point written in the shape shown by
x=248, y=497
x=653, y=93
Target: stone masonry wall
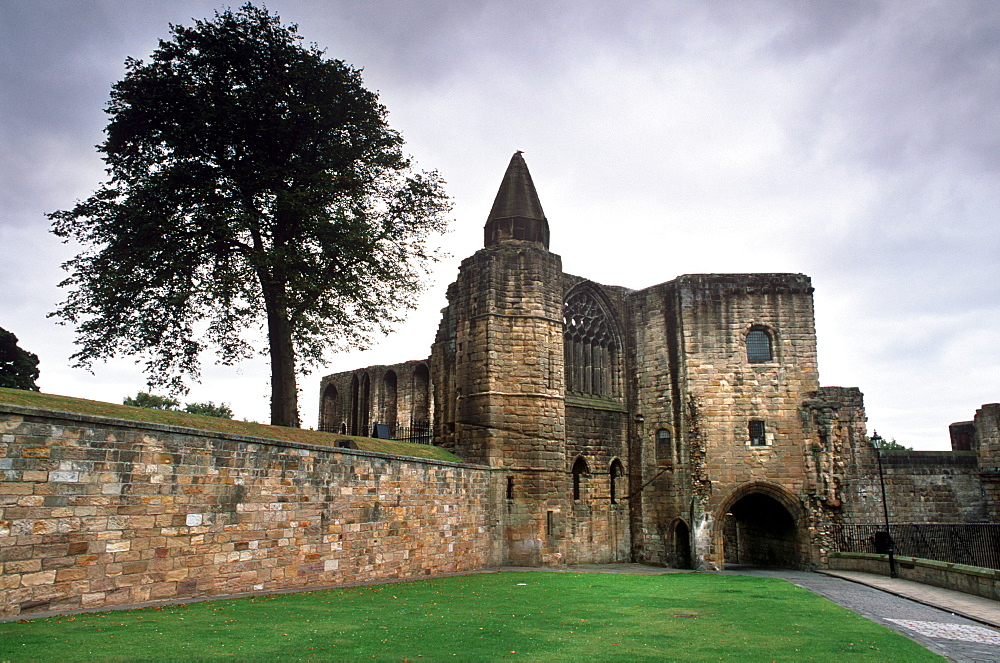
x=660, y=476
x=921, y=487
x=498, y=373
x=987, y=427
x=598, y=529
x=398, y=395
x=724, y=391
x=98, y=512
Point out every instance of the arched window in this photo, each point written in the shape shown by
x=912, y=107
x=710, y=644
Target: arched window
x=579, y=469
x=388, y=414
x=421, y=413
x=364, y=406
x=355, y=406
x=330, y=414
x=759, y=349
x=591, y=345
x=613, y=475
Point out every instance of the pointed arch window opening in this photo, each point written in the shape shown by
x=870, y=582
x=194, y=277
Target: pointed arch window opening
x=615, y=472
x=580, y=468
x=591, y=347
x=364, y=406
x=420, y=414
x=330, y=415
x=389, y=400
x=355, y=405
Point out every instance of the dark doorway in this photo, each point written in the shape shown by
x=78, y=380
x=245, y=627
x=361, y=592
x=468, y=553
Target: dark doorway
x=682, y=545
x=759, y=531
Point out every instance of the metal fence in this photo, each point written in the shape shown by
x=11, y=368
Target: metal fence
x=418, y=433
x=976, y=544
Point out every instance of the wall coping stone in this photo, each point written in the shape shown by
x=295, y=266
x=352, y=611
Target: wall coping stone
x=964, y=569
x=591, y=402
x=22, y=410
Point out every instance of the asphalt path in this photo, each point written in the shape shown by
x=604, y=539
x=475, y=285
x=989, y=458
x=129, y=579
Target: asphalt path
x=948, y=634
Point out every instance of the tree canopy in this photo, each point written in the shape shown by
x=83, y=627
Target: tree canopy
x=154, y=402
x=18, y=367
x=151, y=401
x=883, y=444
x=254, y=184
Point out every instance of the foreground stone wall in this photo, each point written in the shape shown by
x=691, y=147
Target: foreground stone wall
x=959, y=577
x=99, y=512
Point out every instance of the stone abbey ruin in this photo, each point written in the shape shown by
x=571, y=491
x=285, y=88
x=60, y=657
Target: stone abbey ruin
x=680, y=425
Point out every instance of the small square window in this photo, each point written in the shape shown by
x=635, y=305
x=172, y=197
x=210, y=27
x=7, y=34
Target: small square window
x=758, y=438
x=664, y=444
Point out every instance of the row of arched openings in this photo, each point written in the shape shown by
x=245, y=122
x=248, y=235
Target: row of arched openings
x=355, y=414
x=581, y=470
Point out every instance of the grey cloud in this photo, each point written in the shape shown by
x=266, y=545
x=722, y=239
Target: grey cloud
x=726, y=135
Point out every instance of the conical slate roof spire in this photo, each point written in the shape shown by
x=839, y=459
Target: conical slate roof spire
x=517, y=213
x=517, y=195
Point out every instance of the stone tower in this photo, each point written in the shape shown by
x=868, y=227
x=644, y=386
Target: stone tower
x=499, y=382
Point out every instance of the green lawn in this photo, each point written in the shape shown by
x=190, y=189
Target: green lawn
x=527, y=616
x=199, y=422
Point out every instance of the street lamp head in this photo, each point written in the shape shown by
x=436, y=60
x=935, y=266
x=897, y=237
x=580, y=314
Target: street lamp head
x=876, y=439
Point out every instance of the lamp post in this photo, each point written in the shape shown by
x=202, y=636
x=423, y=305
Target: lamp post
x=877, y=440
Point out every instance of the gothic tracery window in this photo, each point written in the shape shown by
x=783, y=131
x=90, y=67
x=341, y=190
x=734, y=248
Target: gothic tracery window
x=591, y=346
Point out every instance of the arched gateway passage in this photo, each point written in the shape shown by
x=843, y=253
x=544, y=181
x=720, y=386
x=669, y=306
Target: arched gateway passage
x=760, y=528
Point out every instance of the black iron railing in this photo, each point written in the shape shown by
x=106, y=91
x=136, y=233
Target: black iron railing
x=976, y=544
x=418, y=433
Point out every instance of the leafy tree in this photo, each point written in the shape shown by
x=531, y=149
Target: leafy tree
x=253, y=183
x=18, y=367
x=154, y=402
x=151, y=401
x=210, y=409
x=880, y=442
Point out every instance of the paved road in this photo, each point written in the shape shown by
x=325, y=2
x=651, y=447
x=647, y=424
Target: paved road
x=950, y=635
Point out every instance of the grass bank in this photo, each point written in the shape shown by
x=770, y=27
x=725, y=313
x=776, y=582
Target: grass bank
x=517, y=616
x=199, y=422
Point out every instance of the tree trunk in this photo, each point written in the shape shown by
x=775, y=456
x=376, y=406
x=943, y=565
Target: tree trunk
x=284, y=391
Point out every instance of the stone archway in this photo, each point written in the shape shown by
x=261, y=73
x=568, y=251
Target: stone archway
x=761, y=525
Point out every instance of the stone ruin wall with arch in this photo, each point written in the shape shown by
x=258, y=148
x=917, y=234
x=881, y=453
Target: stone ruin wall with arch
x=398, y=396
x=683, y=424
x=667, y=425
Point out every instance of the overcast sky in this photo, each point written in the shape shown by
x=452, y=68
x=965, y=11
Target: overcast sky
x=856, y=142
